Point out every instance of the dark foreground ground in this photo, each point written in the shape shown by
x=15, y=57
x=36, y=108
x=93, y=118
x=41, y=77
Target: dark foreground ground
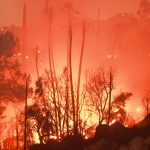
x=115, y=137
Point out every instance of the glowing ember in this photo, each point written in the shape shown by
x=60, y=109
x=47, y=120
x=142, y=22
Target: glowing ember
x=121, y=37
x=138, y=109
x=27, y=57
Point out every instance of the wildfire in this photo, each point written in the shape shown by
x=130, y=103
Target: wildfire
x=138, y=109
x=36, y=137
x=87, y=119
x=27, y=57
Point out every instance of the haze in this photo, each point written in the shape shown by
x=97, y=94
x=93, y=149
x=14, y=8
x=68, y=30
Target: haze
x=128, y=63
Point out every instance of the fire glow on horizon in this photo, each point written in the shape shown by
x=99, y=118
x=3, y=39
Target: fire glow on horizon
x=96, y=55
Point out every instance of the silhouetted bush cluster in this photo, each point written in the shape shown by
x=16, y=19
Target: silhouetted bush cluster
x=114, y=137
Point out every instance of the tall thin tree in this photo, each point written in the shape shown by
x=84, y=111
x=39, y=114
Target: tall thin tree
x=79, y=74
x=25, y=113
x=110, y=95
x=70, y=76
x=51, y=65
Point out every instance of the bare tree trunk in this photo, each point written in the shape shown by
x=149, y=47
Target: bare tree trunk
x=147, y=106
x=40, y=137
x=51, y=70
x=70, y=75
x=110, y=92
x=99, y=117
x=79, y=74
x=67, y=82
x=66, y=78
x=57, y=91
x=67, y=109
x=25, y=113
x=59, y=117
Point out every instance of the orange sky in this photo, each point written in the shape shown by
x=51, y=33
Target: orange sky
x=11, y=13
x=11, y=10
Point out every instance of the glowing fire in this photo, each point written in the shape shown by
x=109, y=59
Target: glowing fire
x=27, y=57
x=94, y=118
x=138, y=109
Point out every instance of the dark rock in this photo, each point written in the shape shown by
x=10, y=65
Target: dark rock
x=40, y=147
x=145, y=122
x=117, y=127
x=73, y=143
x=102, y=131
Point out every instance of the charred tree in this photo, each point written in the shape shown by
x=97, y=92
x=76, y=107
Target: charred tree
x=25, y=114
x=110, y=94
x=71, y=78
x=79, y=75
x=51, y=64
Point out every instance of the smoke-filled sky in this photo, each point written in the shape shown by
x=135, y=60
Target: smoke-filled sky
x=11, y=10
x=127, y=74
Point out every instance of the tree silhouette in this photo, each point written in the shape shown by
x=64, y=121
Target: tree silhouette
x=97, y=88
x=49, y=114
x=36, y=119
x=79, y=74
x=117, y=111
x=146, y=102
x=7, y=44
x=12, y=80
x=38, y=112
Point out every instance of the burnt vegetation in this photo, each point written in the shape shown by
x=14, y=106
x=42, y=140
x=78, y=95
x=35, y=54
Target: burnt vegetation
x=61, y=112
